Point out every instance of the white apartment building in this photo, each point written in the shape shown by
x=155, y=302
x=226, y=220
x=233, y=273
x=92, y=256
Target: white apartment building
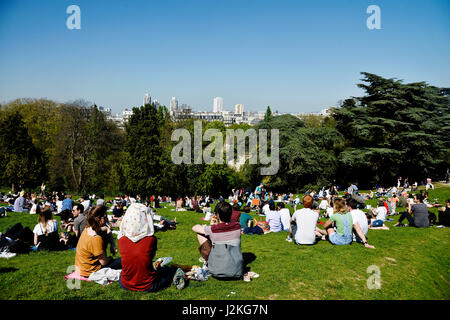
x=218, y=104
x=239, y=109
x=173, y=106
x=147, y=99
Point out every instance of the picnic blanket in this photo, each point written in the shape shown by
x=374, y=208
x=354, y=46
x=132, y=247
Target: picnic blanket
x=384, y=227
x=75, y=275
x=264, y=225
x=103, y=276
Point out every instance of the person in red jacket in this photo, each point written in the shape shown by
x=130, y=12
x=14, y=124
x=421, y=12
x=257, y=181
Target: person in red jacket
x=137, y=246
x=386, y=206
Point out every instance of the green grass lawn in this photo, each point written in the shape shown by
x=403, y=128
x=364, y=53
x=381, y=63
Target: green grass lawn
x=414, y=264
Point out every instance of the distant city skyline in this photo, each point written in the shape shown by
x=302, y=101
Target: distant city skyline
x=295, y=56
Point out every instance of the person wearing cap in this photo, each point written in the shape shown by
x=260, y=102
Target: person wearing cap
x=19, y=203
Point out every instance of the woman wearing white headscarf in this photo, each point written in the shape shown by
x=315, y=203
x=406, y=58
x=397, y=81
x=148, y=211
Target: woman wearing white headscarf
x=137, y=246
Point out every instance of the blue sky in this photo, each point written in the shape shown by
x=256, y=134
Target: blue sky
x=296, y=56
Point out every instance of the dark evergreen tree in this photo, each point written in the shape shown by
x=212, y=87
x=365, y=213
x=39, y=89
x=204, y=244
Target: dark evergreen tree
x=20, y=161
x=394, y=130
x=142, y=151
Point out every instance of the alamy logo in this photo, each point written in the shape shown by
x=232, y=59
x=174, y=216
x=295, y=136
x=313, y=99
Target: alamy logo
x=374, y=21
x=374, y=280
x=181, y=153
x=74, y=20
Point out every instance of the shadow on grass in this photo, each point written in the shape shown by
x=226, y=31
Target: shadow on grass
x=5, y=270
x=248, y=257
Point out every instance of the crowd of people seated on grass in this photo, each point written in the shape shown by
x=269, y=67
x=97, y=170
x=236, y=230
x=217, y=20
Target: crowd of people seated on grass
x=86, y=226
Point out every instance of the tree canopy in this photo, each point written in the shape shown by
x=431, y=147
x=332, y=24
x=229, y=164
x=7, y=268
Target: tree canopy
x=394, y=129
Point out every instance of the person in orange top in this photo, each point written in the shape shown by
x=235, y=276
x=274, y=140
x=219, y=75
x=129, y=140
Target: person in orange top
x=90, y=253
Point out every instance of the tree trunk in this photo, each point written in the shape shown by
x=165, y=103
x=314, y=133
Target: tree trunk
x=72, y=151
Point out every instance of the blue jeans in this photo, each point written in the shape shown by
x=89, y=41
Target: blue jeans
x=337, y=239
x=115, y=264
x=164, y=278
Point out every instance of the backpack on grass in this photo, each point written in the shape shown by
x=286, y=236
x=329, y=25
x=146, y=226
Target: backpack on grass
x=225, y=261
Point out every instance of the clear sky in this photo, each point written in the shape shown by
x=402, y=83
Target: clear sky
x=296, y=56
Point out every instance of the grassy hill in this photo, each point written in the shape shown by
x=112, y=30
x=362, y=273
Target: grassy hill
x=414, y=264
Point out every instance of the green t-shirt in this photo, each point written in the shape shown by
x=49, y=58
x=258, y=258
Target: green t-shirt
x=243, y=220
x=338, y=220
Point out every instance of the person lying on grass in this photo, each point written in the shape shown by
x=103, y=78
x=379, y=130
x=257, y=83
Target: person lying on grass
x=343, y=221
x=164, y=224
x=220, y=245
x=91, y=248
x=137, y=246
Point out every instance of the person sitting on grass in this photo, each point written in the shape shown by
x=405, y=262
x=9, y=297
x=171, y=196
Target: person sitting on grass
x=91, y=249
x=220, y=245
x=304, y=224
x=245, y=219
x=86, y=202
x=420, y=212
x=343, y=222
x=117, y=212
x=20, y=203
x=236, y=213
x=137, y=246
x=358, y=217
x=67, y=203
x=179, y=204
x=66, y=225
x=379, y=213
x=79, y=223
x=101, y=200
x=46, y=232
x=273, y=218
x=444, y=214
x=285, y=216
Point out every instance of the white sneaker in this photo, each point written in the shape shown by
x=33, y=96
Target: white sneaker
x=7, y=255
x=289, y=239
x=253, y=274
x=247, y=277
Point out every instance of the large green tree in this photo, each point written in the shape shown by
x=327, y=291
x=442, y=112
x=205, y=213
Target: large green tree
x=142, y=151
x=395, y=129
x=21, y=162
